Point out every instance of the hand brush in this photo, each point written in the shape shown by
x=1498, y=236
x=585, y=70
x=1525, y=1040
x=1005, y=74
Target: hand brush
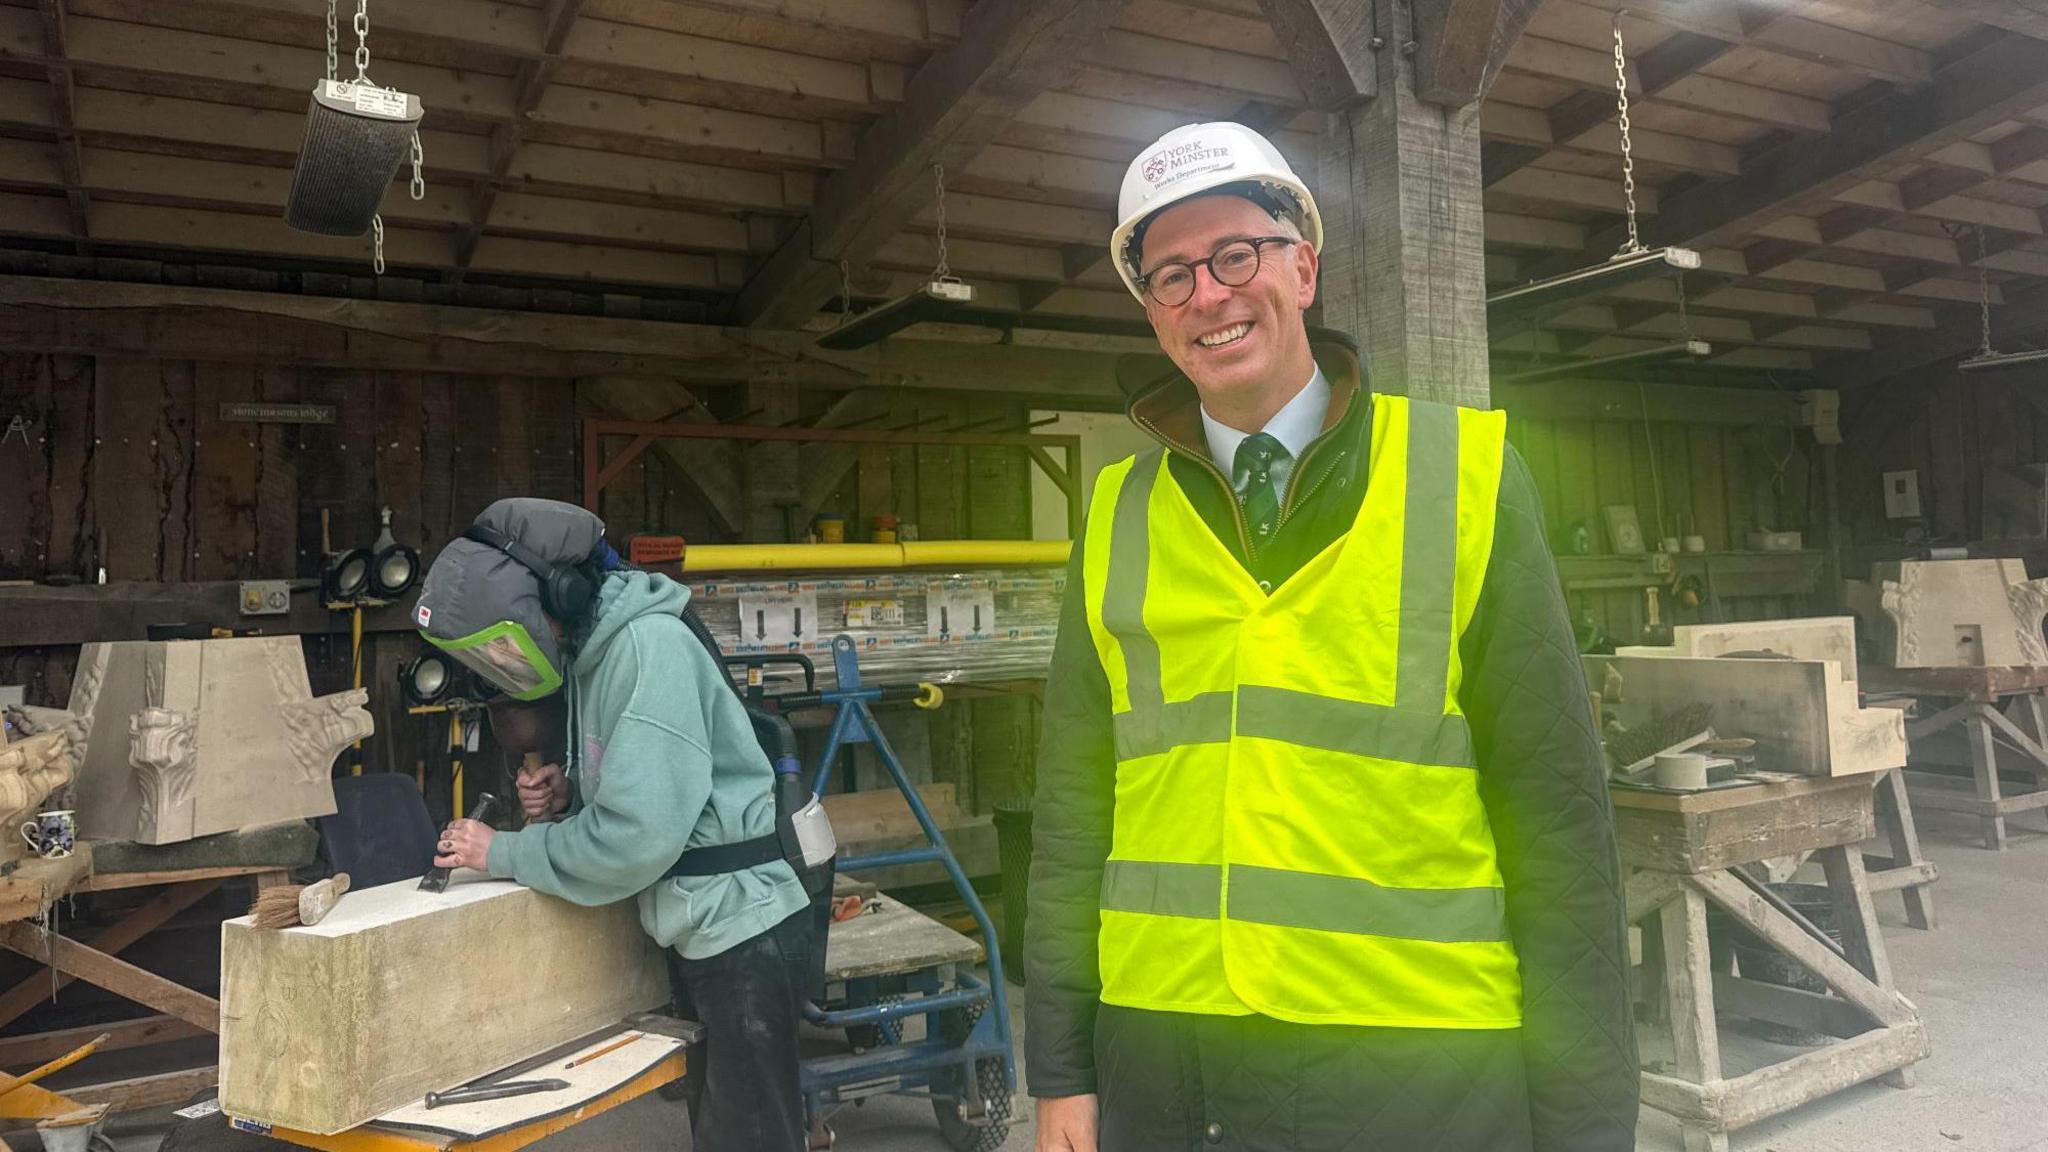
x=290, y=905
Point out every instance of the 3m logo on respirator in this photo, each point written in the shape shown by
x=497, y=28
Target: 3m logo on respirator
x=424, y=615
x=1181, y=159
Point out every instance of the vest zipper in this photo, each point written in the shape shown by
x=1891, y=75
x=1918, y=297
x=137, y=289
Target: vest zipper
x=1287, y=509
x=1244, y=534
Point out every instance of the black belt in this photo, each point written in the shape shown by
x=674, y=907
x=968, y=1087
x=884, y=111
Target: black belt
x=715, y=859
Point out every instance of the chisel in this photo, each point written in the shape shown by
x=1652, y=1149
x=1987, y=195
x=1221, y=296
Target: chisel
x=436, y=879
x=493, y=1092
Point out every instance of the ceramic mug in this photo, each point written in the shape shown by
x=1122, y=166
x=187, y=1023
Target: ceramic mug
x=52, y=834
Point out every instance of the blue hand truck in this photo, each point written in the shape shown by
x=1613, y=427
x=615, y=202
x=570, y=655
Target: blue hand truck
x=964, y=1063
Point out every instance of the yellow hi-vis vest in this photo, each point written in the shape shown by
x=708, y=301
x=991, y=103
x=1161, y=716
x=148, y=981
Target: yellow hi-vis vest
x=1298, y=826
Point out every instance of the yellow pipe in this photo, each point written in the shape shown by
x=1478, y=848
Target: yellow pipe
x=832, y=557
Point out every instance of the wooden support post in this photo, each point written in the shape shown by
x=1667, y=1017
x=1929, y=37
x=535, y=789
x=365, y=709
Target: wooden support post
x=771, y=468
x=1984, y=762
x=1895, y=820
x=1404, y=268
x=1689, y=999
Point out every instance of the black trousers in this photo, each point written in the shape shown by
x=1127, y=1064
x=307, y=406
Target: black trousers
x=741, y=1086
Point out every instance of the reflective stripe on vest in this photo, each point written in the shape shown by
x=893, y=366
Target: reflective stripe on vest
x=1298, y=830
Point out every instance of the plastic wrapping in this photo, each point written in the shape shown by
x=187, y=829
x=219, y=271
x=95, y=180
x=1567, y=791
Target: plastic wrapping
x=945, y=627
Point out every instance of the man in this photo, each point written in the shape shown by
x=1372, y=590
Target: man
x=662, y=759
x=1323, y=851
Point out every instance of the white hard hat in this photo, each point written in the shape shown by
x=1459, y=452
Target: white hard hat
x=1196, y=158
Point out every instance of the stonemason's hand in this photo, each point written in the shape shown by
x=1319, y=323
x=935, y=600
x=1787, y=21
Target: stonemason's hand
x=464, y=844
x=1066, y=1124
x=543, y=791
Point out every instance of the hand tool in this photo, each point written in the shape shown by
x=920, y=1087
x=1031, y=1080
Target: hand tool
x=436, y=879
x=510, y=1088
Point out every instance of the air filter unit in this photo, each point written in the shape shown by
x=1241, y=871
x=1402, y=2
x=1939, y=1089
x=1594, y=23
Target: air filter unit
x=357, y=134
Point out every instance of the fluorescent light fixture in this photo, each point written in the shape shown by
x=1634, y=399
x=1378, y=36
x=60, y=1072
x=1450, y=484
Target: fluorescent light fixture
x=1572, y=286
x=1696, y=349
x=933, y=301
x=1990, y=361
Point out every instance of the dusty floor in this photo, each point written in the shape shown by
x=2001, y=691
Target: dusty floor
x=1980, y=979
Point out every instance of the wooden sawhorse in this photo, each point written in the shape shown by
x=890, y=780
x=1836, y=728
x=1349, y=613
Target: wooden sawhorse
x=1978, y=701
x=36, y=885
x=1683, y=852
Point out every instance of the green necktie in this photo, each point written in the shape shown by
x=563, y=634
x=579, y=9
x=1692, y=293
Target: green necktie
x=1256, y=458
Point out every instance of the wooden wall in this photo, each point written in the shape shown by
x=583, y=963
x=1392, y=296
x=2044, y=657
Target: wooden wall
x=127, y=465
x=1967, y=436
x=1720, y=479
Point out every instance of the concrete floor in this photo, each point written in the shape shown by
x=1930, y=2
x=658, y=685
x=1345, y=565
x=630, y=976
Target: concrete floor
x=1980, y=980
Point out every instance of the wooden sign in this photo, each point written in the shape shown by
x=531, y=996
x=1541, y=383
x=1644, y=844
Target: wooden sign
x=277, y=413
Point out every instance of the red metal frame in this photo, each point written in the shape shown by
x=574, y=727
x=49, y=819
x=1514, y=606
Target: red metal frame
x=598, y=473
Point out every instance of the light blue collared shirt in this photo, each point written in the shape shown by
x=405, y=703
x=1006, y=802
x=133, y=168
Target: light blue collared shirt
x=1295, y=426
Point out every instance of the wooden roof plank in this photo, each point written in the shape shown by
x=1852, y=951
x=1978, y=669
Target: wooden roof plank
x=1009, y=51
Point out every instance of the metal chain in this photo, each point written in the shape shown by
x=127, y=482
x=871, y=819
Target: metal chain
x=362, y=41
x=333, y=40
x=1628, y=159
x=944, y=270
x=1684, y=321
x=419, y=168
x=377, y=243
x=1983, y=294
x=845, y=292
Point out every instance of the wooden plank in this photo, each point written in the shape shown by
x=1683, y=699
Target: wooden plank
x=67, y=446
x=278, y=551
x=131, y=927
x=1792, y=1007
x=1578, y=497
x=1881, y=1005
x=140, y=320
x=30, y=889
x=400, y=455
x=173, y=438
x=304, y=1013
x=116, y=976
x=1779, y=1088
x=1689, y=988
x=117, y=881
x=145, y=1091
x=224, y=473
x=1615, y=473
x=25, y=1051
x=1701, y=841
x=129, y=507
x=955, y=105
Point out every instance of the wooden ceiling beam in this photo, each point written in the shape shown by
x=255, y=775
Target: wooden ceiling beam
x=1334, y=64
x=1984, y=88
x=1655, y=71
x=1594, y=70
x=1958, y=334
x=557, y=18
x=1009, y=52
x=64, y=118
x=2012, y=15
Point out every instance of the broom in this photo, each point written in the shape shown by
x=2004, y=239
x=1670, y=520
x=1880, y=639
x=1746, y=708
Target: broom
x=289, y=905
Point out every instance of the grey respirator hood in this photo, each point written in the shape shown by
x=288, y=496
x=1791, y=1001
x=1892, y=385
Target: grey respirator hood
x=476, y=587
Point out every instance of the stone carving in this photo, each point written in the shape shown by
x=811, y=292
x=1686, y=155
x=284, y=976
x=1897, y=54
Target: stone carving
x=242, y=742
x=162, y=748
x=1952, y=613
x=30, y=769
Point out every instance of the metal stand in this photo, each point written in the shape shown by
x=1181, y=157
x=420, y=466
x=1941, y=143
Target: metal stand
x=967, y=1041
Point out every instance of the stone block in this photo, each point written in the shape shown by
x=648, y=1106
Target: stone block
x=1952, y=613
x=398, y=992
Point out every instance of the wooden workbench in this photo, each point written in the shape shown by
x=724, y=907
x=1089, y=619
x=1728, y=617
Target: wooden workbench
x=1682, y=853
x=32, y=890
x=1985, y=704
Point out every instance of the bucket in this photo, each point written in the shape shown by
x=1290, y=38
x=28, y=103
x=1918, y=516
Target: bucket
x=831, y=528
x=1756, y=960
x=1013, y=844
x=883, y=529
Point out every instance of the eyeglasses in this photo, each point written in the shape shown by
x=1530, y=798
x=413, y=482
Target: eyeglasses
x=1233, y=265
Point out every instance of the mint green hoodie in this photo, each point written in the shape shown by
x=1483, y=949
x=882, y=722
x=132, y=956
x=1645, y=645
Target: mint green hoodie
x=662, y=757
